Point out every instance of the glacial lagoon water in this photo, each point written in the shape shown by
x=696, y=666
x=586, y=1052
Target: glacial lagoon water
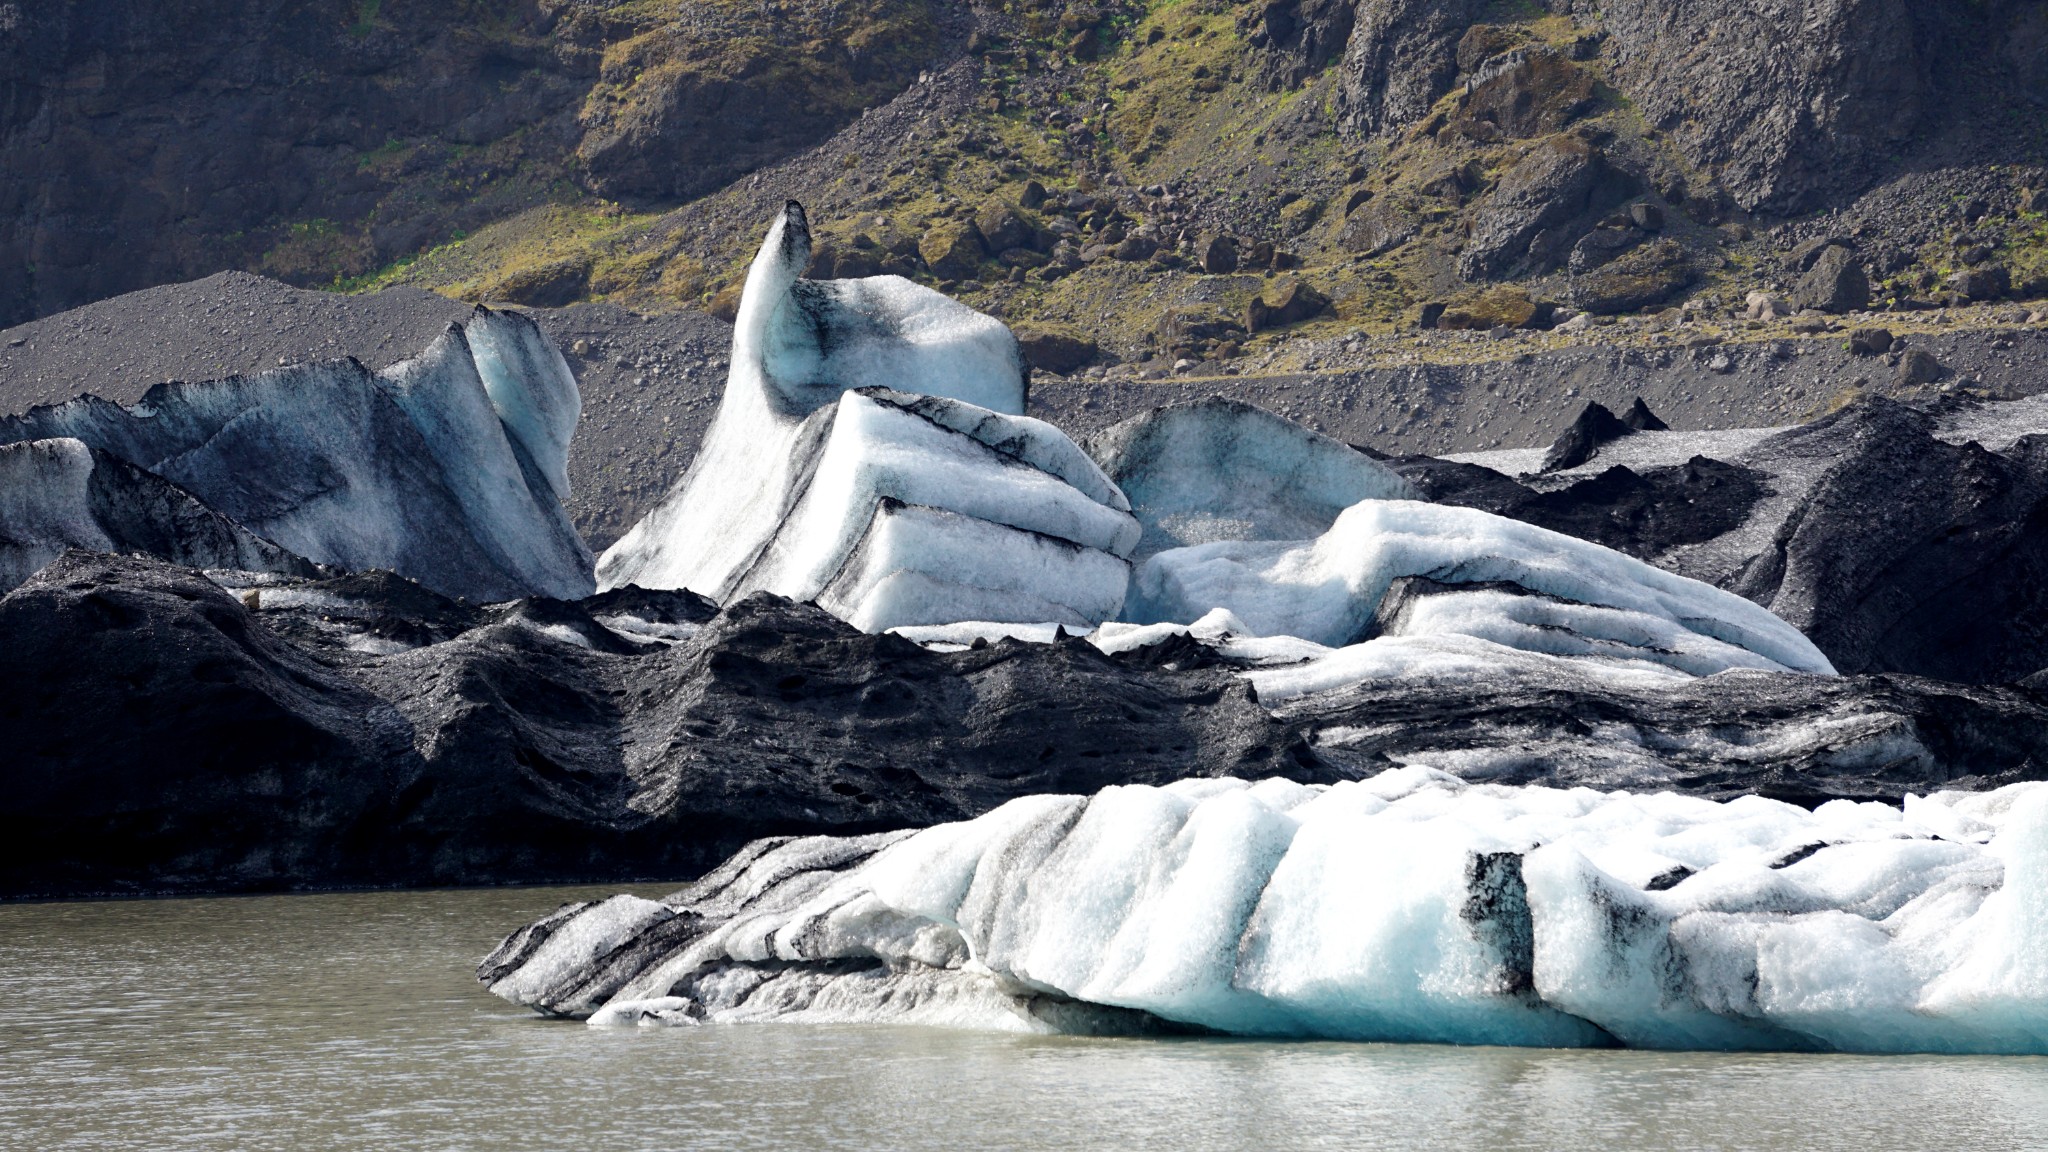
x=352, y=1021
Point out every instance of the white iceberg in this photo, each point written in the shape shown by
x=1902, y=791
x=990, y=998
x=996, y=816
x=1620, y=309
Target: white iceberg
x=870, y=453
x=1408, y=907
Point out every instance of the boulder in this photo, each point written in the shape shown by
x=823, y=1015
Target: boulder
x=1522, y=93
x=555, y=284
x=1870, y=341
x=1602, y=245
x=1286, y=301
x=1191, y=325
x=1918, y=366
x=1762, y=305
x=1646, y=277
x=1055, y=349
x=1974, y=285
x=1297, y=215
x=1135, y=247
x=1835, y=283
x=1377, y=227
x=1548, y=190
x=1216, y=255
x=1503, y=307
x=1001, y=227
x=951, y=249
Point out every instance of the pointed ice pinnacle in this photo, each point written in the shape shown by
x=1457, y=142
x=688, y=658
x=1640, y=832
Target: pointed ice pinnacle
x=870, y=453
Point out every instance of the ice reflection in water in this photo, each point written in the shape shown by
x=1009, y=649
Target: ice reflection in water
x=351, y=1021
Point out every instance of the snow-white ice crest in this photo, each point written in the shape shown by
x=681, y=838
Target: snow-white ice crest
x=870, y=453
x=1411, y=906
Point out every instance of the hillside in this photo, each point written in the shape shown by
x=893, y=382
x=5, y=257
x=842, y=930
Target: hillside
x=1169, y=180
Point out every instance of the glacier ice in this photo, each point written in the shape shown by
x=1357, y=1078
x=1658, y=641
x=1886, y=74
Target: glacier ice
x=60, y=493
x=1221, y=469
x=1410, y=907
x=870, y=453
x=448, y=468
x=1489, y=578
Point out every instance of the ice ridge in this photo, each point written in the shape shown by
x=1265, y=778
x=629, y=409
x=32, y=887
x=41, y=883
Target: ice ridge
x=448, y=468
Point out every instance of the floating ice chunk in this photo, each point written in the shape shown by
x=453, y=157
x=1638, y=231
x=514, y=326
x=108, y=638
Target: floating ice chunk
x=1541, y=591
x=870, y=453
x=414, y=470
x=1221, y=469
x=554, y=971
x=1411, y=906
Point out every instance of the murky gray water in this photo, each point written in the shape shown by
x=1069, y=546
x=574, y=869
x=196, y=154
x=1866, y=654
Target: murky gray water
x=352, y=1021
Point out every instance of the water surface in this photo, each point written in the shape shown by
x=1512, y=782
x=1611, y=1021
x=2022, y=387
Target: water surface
x=352, y=1021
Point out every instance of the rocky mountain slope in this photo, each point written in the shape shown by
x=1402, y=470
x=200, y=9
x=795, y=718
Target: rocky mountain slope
x=1100, y=169
x=146, y=143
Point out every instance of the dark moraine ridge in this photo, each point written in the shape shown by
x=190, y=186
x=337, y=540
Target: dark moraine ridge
x=262, y=742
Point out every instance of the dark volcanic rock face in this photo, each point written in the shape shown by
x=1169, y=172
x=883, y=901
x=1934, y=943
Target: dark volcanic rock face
x=165, y=735
x=158, y=737
x=1643, y=514
x=178, y=742
x=1915, y=555
x=1803, y=739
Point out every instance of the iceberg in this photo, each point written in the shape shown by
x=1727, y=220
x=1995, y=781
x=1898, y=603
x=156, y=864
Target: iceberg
x=1411, y=906
x=449, y=468
x=1221, y=469
x=870, y=453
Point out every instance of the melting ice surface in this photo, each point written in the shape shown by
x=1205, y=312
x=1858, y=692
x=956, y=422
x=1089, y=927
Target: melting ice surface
x=1408, y=907
x=870, y=453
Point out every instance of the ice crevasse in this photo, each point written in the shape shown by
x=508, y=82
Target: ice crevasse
x=1407, y=907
